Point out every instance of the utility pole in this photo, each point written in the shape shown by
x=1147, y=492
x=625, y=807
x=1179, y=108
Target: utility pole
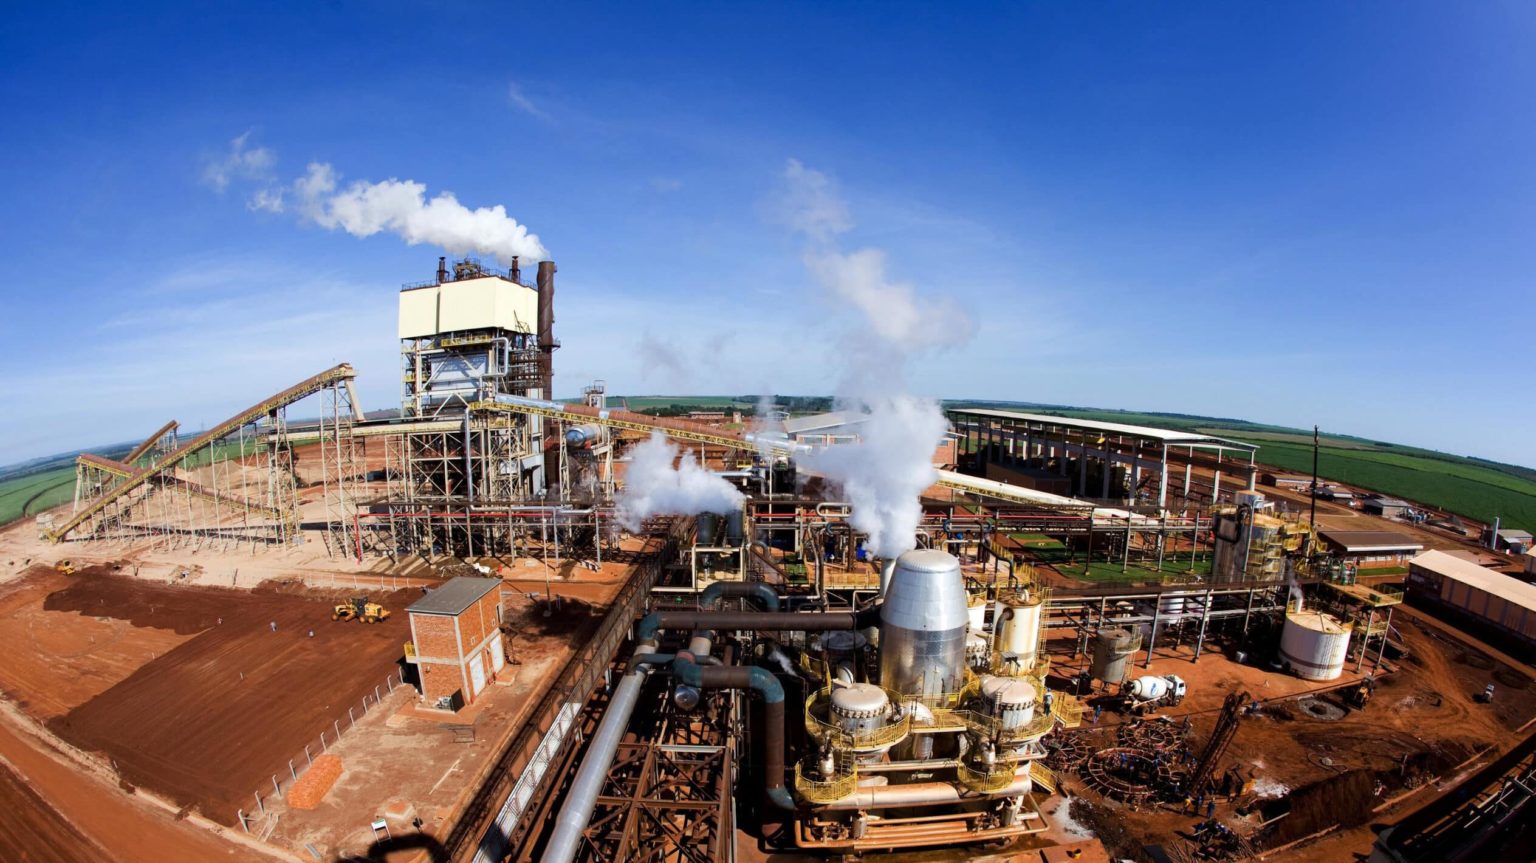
x=1314, y=478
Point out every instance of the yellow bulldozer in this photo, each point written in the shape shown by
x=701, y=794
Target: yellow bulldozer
x=359, y=608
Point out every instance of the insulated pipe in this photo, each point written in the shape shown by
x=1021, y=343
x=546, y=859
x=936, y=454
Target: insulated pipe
x=689, y=673
x=709, y=598
x=825, y=621
x=575, y=814
x=922, y=794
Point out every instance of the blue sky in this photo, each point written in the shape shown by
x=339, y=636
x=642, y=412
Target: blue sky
x=1297, y=213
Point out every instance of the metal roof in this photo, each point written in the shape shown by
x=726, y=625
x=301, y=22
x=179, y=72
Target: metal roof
x=817, y=422
x=1515, y=533
x=455, y=596
x=1386, y=501
x=1371, y=540
x=1165, y=435
x=1449, y=566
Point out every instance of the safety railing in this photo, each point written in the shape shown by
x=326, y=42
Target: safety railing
x=986, y=781
x=825, y=790
x=818, y=705
x=1067, y=709
x=1042, y=776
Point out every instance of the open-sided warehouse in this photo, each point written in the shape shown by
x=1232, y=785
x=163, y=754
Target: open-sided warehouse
x=1371, y=546
x=1506, y=602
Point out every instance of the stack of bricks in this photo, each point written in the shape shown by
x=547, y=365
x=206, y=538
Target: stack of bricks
x=316, y=782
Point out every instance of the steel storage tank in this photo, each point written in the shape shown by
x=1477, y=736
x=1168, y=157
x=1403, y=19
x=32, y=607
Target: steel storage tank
x=1017, y=628
x=1009, y=700
x=1112, y=649
x=978, y=651
x=1314, y=644
x=977, y=612
x=860, y=708
x=923, y=620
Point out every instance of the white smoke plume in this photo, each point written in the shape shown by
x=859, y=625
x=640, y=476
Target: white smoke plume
x=401, y=207
x=653, y=486
x=884, y=474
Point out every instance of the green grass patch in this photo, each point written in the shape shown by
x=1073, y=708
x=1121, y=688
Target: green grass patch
x=29, y=495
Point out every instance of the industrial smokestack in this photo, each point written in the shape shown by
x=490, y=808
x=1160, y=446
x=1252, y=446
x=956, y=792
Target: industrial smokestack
x=517, y=272
x=442, y=270
x=546, y=285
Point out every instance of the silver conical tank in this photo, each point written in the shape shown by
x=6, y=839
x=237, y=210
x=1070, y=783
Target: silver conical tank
x=923, y=624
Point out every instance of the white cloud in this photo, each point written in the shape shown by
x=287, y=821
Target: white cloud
x=521, y=102
x=238, y=163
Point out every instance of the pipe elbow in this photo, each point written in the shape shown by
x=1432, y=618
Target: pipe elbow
x=645, y=633
x=781, y=798
x=762, y=680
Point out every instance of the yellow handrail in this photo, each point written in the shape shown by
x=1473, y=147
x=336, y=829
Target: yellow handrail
x=825, y=790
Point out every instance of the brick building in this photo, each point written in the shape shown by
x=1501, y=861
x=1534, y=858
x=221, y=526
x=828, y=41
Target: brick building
x=456, y=640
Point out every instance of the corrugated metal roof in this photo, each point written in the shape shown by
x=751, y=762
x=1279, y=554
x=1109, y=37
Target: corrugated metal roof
x=1500, y=585
x=455, y=596
x=1371, y=540
x=1166, y=435
x=1386, y=501
x=816, y=422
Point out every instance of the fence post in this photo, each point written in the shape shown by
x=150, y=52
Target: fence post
x=350, y=718
x=307, y=758
x=291, y=772
x=260, y=808
x=337, y=726
x=240, y=813
x=375, y=695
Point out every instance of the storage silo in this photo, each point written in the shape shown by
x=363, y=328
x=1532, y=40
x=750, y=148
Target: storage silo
x=923, y=621
x=1112, y=650
x=1314, y=644
x=1016, y=628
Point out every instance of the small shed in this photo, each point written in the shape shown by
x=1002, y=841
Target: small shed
x=456, y=640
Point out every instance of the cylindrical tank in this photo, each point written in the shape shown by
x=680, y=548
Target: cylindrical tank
x=978, y=651
x=1017, y=628
x=923, y=619
x=1112, y=649
x=1314, y=644
x=977, y=612
x=1010, y=700
x=1170, y=607
x=1147, y=688
x=583, y=435
x=860, y=708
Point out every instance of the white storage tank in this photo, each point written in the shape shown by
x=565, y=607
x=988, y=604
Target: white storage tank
x=1016, y=628
x=860, y=708
x=1010, y=700
x=1314, y=644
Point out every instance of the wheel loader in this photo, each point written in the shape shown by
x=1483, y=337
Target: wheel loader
x=359, y=608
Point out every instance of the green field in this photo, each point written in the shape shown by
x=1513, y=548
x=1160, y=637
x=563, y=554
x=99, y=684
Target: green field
x=30, y=490
x=31, y=494
x=1471, y=487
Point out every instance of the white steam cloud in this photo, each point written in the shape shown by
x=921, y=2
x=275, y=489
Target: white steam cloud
x=363, y=209
x=884, y=475
x=401, y=207
x=652, y=486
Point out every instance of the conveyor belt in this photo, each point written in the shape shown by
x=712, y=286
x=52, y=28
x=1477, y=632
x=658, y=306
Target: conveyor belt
x=342, y=372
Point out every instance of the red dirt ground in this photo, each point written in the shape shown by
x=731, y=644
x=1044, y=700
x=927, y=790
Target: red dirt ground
x=211, y=721
x=64, y=814
x=79, y=656
x=32, y=828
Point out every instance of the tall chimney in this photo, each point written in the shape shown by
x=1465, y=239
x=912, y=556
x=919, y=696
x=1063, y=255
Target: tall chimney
x=517, y=272
x=546, y=285
x=442, y=270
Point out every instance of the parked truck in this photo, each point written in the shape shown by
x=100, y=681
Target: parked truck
x=1151, y=692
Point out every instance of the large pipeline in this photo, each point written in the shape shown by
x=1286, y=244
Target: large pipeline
x=690, y=673
x=572, y=821
x=576, y=812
